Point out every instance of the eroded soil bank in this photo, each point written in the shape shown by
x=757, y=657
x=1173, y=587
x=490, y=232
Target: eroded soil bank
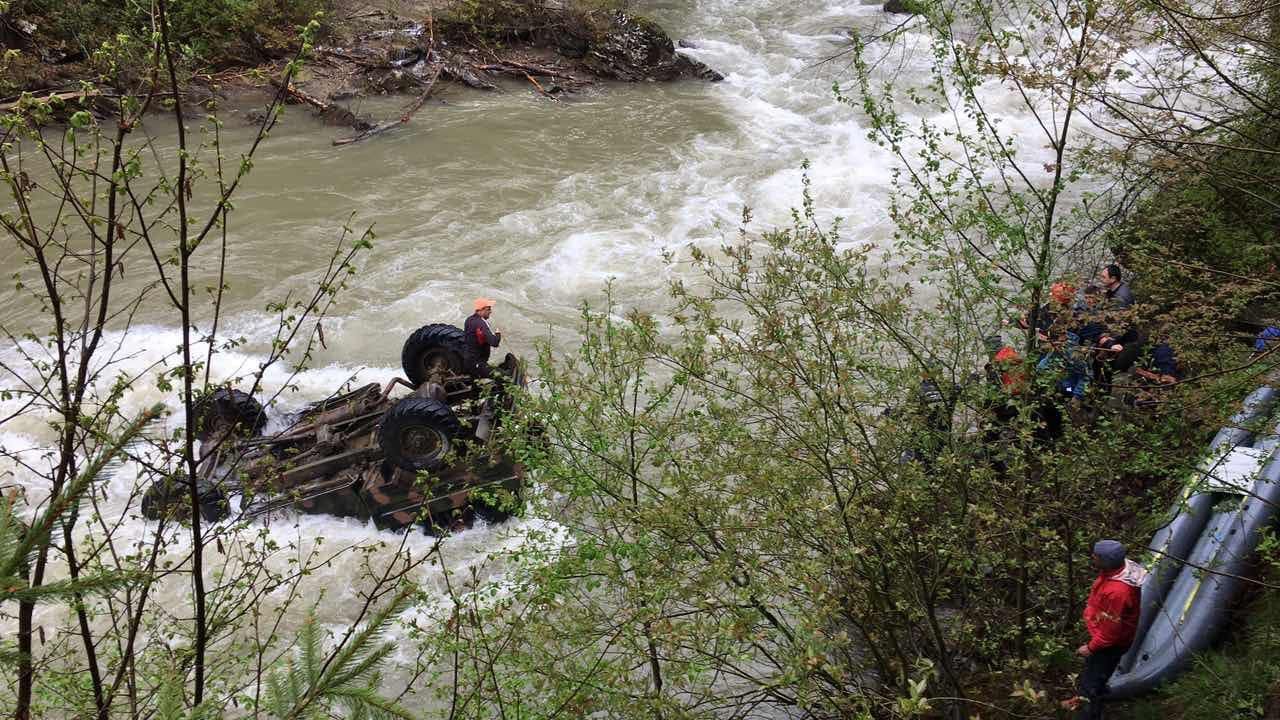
x=553, y=48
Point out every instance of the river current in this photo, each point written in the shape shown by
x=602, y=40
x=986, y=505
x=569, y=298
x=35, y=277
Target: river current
x=536, y=204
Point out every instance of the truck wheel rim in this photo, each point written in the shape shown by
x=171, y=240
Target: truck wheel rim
x=421, y=442
x=435, y=362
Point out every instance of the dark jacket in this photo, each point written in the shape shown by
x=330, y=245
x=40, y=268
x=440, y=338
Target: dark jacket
x=1120, y=298
x=480, y=338
x=1165, y=361
x=1120, y=325
x=1087, y=328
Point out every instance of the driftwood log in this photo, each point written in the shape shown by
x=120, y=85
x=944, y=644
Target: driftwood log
x=541, y=89
x=405, y=116
x=512, y=68
x=63, y=96
x=468, y=75
x=330, y=112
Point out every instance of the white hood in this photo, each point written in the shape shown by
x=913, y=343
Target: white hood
x=1131, y=574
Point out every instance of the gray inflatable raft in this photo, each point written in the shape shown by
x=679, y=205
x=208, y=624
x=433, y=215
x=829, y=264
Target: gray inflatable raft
x=1215, y=527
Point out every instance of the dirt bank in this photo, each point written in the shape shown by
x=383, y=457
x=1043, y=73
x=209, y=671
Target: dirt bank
x=555, y=48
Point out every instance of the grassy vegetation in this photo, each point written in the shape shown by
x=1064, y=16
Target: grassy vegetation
x=19, y=70
x=1222, y=212
x=209, y=33
x=1206, y=246
x=581, y=21
x=219, y=34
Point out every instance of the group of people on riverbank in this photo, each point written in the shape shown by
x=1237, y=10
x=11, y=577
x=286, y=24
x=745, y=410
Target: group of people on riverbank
x=1086, y=338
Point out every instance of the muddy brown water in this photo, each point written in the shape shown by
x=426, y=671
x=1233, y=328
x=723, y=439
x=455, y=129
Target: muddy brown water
x=534, y=203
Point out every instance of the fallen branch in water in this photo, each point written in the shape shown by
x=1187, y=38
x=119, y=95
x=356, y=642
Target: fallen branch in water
x=510, y=67
x=362, y=62
x=328, y=111
x=404, y=117
x=468, y=76
x=302, y=97
x=545, y=94
x=63, y=96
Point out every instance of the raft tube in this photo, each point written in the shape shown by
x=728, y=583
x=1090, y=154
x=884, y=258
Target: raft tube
x=1197, y=558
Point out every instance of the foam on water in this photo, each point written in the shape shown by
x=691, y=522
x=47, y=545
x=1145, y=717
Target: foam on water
x=559, y=242
x=473, y=558
x=539, y=230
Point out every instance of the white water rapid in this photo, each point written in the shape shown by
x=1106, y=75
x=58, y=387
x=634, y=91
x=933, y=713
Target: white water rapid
x=533, y=203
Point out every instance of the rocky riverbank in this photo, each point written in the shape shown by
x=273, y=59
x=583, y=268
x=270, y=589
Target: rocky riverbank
x=553, y=48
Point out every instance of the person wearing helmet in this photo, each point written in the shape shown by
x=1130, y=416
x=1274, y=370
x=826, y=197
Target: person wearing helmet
x=481, y=337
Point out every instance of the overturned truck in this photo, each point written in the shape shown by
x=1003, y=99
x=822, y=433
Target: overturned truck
x=427, y=457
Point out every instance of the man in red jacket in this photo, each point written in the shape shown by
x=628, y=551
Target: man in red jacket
x=1111, y=616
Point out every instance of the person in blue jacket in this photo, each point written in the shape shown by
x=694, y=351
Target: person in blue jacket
x=1267, y=338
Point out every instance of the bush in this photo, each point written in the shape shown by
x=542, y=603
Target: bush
x=499, y=20
x=20, y=70
x=210, y=32
x=1221, y=211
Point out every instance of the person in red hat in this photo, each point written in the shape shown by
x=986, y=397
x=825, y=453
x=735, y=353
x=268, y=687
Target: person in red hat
x=1013, y=377
x=481, y=337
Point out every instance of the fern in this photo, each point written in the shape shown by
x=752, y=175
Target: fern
x=169, y=704
x=20, y=543
x=348, y=677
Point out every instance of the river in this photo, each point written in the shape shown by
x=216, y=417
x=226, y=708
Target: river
x=536, y=204
x=533, y=203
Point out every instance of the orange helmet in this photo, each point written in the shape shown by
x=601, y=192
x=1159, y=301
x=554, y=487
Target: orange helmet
x=1012, y=377
x=482, y=303
x=1007, y=354
x=1063, y=292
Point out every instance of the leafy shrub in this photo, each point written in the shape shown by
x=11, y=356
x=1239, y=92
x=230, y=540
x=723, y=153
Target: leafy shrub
x=1220, y=212
x=211, y=32
x=525, y=19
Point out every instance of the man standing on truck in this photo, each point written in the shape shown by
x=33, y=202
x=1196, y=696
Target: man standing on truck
x=481, y=337
x=1111, y=617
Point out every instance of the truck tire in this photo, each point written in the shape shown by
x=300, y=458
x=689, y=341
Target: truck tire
x=433, y=347
x=228, y=407
x=417, y=434
x=169, y=496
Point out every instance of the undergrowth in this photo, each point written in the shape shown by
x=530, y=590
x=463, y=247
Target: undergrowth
x=1205, y=247
x=502, y=20
x=209, y=33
